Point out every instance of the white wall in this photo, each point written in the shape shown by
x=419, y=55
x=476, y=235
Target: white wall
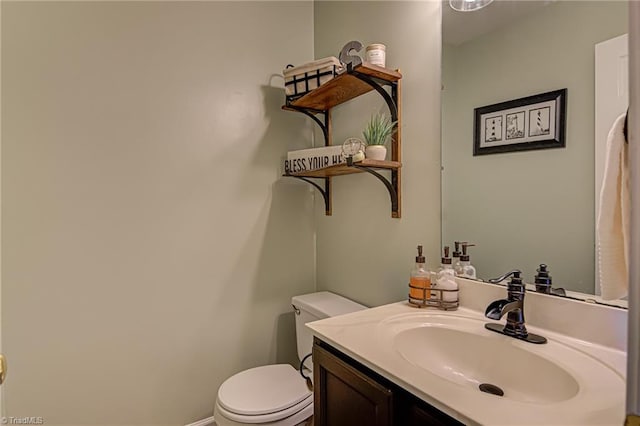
x=150, y=248
x=362, y=252
x=532, y=207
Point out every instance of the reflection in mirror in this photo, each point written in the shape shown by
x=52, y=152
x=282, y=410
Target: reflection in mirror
x=523, y=209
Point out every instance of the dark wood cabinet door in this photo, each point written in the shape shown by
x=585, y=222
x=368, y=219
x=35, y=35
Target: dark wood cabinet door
x=347, y=393
x=344, y=396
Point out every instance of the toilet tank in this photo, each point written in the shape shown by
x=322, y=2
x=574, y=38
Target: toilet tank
x=316, y=306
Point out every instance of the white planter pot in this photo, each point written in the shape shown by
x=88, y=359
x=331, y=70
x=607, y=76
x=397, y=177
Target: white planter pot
x=376, y=152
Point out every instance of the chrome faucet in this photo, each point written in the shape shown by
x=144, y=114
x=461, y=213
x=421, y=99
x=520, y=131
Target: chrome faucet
x=513, y=308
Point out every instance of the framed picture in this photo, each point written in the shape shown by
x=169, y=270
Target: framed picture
x=534, y=122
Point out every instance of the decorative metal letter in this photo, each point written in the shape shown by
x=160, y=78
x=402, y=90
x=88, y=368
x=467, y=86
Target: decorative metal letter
x=345, y=56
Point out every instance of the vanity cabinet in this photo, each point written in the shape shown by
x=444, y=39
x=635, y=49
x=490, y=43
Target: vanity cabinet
x=318, y=103
x=346, y=393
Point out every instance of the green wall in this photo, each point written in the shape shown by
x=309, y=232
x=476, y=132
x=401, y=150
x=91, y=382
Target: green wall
x=361, y=251
x=150, y=246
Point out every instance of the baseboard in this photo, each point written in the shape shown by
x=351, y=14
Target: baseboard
x=204, y=422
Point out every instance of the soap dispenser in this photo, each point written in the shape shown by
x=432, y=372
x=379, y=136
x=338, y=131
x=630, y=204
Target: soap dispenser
x=446, y=282
x=420, y=280
x=455, y=261
x=466, y=270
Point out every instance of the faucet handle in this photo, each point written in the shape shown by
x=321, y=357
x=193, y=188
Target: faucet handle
x=543, y=279
x=515, y=273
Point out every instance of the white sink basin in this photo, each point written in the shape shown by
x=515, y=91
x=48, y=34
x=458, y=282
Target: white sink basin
x=459, y=349
x=471, y=360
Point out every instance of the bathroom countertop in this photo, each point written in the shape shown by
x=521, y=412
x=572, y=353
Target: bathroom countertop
x=364, y=336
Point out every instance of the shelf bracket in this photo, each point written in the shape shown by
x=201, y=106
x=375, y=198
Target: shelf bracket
x=393, y=109
x=326, y=191
x=391, y=186
x=312, y=114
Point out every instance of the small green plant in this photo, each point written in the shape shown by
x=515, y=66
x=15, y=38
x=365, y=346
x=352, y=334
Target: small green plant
x=378, y=129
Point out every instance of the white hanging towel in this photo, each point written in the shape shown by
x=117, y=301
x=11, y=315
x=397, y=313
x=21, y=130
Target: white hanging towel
x=612, y=224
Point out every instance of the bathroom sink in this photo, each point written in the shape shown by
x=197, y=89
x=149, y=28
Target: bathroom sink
x=461, y=351
x=444, y=358
x=473, y=360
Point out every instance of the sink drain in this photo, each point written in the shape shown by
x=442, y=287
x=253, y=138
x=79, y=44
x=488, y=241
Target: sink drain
x=492, y=389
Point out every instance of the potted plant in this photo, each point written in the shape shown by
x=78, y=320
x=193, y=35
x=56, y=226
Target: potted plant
x=376, y=133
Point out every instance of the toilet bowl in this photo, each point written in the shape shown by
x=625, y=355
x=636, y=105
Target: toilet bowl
x=277, y=395
x=267, y=395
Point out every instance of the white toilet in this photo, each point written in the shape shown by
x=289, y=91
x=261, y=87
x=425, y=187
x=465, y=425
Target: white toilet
x=277, y=395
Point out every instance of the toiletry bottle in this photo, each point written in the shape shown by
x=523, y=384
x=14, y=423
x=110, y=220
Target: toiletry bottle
x=420, y=279
x=446, y=280
x=455, y=262
x=467, y=270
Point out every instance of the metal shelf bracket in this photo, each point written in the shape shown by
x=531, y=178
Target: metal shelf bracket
x=324, y=126
x=392, y=187
x=324, y=191
x=373, y=82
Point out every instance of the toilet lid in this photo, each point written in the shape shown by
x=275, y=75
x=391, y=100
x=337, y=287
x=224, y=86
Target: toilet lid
x=263, y=390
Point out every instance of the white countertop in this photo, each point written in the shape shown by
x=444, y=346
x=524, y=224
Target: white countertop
x=364, y=337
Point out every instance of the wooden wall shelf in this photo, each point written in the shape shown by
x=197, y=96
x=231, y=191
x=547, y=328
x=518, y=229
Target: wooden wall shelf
x=355, y=81
x=345, y=87
x=344, y=169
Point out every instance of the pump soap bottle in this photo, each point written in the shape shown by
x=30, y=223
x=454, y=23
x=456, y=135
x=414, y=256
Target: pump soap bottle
x=420, y=281
x=446, y=281
x=467, y=270
x=455, y=263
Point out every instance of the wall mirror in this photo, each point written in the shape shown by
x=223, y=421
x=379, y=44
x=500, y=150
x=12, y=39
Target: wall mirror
x=524, y=208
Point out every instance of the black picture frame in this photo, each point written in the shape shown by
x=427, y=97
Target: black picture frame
x=529, y=123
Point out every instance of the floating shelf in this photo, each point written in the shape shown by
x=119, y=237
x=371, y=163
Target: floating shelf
x=354, y=82
x=344, y=87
